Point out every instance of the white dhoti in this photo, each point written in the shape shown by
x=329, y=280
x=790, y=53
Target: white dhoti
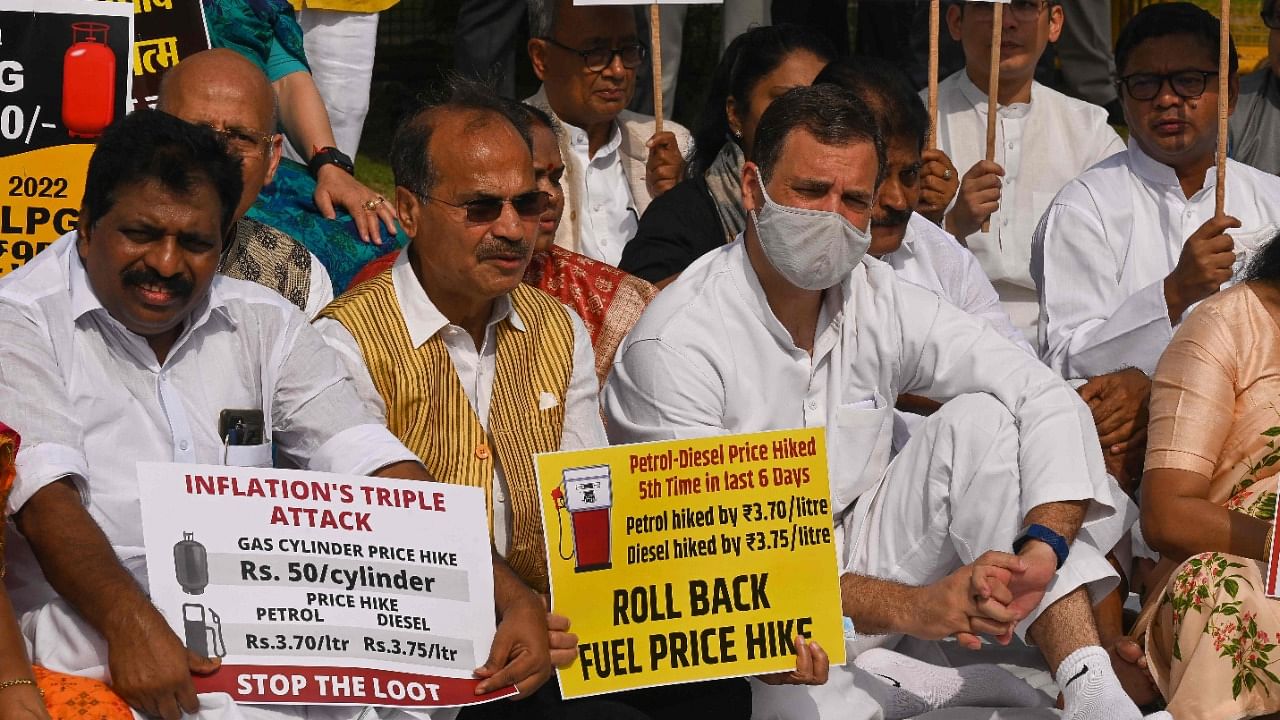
x=953, y=492
x=340, y=50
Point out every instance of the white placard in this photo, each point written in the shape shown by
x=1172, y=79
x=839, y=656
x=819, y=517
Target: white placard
x=317, y=588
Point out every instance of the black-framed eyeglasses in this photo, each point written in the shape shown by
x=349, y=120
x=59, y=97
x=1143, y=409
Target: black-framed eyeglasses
x=528, y=205
x=598, y=58
x=1022, y=10
x=243, y=141
x=1186, y=84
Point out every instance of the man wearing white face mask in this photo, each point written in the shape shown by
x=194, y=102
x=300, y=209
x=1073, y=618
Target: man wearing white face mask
x=989, y=519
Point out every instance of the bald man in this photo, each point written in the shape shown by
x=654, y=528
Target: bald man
x=223, y=90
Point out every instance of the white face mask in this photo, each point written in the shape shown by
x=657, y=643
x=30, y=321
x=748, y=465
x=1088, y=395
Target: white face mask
x=811, y=249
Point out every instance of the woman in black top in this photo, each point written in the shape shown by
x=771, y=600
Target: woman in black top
x=705, y=211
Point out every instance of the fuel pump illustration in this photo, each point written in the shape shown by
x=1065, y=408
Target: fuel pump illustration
x=587, y=494
x=88, y=81
x=200, y=635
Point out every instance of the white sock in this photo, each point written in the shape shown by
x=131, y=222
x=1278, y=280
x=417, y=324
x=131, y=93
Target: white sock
x=1091, y=690
x=914, y=687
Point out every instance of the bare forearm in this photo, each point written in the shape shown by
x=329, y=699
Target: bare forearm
x=77, y=558
x=404, y=471
x=510, y=592
x=13, y=653
x=876, y=606
x=302, y=113
x=1196, y=526
x=1064, y=518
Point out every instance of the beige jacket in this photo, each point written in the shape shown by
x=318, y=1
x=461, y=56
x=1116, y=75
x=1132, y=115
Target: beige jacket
x=636, y=131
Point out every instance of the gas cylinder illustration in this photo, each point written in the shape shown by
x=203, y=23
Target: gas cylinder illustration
x=88, y=81
x=200, y=635
x=191, y=563
x=587, y=493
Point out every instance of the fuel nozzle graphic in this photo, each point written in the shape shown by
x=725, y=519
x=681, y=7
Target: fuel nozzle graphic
x=191, y=562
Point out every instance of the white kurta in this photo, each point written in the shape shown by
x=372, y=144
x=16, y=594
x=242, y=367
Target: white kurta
x=476, y=370
x=931, y=258
x=1041, y=145
x=90, y=400
x=1104, y=248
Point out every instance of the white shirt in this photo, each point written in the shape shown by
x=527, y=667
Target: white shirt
x=1042, y=145
x=609, y=218
x=320, y=294
x=931, y=258
x=476, y=370
x=90, y=399
x=1103, y=250
x=708, y=357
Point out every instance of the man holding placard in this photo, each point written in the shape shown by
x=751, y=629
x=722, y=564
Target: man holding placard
x=792, y=328
x=615, y=162
x=123, y=344
x=1127, y=248
x=1043, y=140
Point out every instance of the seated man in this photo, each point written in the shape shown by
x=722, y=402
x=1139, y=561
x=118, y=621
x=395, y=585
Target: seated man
x=123, y=344
x=1043, y=140
x=792, y=328
x=1255, y=125
x=586, y=58
x=1129, y=246
x=223, y=90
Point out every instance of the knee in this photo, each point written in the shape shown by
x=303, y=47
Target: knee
x=976, y=415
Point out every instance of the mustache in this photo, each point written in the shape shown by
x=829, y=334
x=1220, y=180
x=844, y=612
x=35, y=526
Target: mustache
x=176, y=285
x=496, y=247
x=892, y=217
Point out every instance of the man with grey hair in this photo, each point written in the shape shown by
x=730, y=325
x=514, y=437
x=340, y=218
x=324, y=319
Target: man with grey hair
x=793, y=327
x=615, y=163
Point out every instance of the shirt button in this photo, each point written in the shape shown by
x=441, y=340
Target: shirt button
x=482, y=451
x=164, y=377
x=183, y=445
x=813, y=404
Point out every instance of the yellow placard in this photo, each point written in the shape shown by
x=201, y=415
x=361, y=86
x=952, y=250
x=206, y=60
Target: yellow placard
x=692, y=559
x=42, y=192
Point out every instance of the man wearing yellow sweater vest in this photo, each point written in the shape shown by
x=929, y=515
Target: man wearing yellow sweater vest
x=474, y=371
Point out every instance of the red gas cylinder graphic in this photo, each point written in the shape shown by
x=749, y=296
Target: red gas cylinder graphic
x=88, y=81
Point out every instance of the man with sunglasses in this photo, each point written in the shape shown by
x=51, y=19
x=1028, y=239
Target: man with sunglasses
x=224, y=91
x=587, y=58
x=1043, y=140
x=473, y=370
x=1127, y=248
x=1255, y=125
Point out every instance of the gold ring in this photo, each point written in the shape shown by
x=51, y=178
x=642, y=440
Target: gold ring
x=372, y=205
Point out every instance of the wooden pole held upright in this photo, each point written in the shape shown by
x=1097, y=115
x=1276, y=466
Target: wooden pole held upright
x=655, y=42
x=935, y=20
x=1224, y=68
x=993, y=87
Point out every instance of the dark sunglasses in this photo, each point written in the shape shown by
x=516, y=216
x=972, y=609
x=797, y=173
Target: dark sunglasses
x=598, y=58
x=1186, y=84
x=489, y=209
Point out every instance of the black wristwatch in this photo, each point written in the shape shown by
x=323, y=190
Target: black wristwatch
x=330, y=156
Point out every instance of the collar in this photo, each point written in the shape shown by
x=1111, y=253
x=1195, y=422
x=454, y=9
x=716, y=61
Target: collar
x=1157, y=173
x=978, y=98
x=832, y=309
x=84, y=300
x=579, y=142
x=422, y=318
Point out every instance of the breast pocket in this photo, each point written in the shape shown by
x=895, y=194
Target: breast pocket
x=248, y=455
x=861, y=444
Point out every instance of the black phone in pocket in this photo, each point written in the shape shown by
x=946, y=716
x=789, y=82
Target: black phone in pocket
x=242, y=427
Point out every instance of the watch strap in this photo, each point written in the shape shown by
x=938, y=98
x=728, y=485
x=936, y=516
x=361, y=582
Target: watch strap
x=330, y=156
x=1036, y=531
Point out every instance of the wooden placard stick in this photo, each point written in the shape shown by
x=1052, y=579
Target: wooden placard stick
x=935, y=21
x=655, y=42
x=1224, y=68
x=993, y=87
